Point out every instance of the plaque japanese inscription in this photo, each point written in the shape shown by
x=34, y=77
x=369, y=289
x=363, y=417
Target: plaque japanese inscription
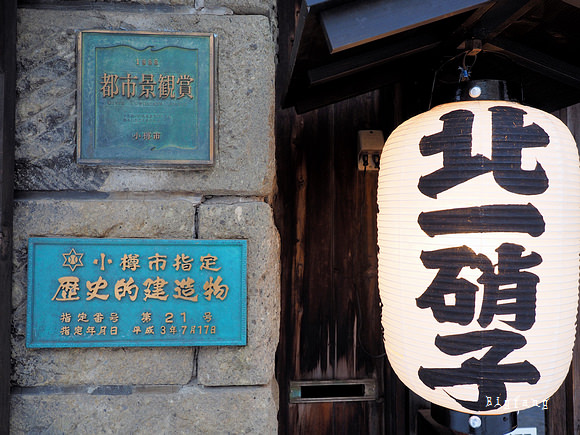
x=145, y=98
x=135, y=292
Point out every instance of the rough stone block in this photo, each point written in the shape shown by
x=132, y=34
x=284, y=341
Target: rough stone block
x=190, y=410
x=252, y=364
x=155, y=218
x=46, y=110
x=262, y=7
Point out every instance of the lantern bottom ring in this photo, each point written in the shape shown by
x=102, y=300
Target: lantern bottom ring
x=463, y=423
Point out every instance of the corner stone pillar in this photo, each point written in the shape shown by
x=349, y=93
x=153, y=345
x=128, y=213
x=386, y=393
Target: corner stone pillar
x=226, y=389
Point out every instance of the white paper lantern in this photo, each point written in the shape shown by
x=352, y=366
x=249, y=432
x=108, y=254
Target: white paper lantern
x=479, y=242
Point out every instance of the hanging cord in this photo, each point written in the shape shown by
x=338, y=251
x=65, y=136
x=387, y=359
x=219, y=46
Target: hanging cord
x=437, y=71
x=356, y=288
x=464, y=71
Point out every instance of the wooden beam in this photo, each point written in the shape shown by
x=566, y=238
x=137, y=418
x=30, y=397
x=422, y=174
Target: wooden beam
x=358, y=23
x=502, y=15
x=536, y=61
x=330, y=92
x=575, y=3
x=7, y=116
x=371, y=59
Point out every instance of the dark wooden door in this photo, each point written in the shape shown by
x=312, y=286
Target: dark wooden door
x=326, y=210
x=331, y=329
x=326, y=213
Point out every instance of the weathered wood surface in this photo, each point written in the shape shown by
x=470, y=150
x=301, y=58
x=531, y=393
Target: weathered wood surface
x=331, y=314
x=326, y=213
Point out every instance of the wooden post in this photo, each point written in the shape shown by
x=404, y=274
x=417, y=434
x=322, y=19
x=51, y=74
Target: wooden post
x=7, y=114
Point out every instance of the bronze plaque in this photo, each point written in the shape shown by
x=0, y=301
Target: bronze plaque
x=146, y=98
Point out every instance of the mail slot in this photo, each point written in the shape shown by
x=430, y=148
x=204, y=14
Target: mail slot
x=354, y=390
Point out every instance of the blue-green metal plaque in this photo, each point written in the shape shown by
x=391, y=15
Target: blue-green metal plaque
x=135, y=292
x=145, y=99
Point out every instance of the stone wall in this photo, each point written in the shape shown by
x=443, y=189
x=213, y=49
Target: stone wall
x=228, y=389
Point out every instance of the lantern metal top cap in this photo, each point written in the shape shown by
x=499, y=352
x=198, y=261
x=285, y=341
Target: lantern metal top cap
x=482, y=90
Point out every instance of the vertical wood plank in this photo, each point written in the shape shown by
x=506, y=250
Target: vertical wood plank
x=313, y=418
x=284, y=204
x=571, y=116
x=359, y=340
x=316, y=298
x=349, y=418
x=328, y=254
x=569, y=397
x=326, y=213
x=556, y=413
x=573, y=387
x=345, y=221
x=355, y=267
x=7, y=115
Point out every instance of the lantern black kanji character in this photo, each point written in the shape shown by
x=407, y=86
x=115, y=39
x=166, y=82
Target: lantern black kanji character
x=487, y=373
